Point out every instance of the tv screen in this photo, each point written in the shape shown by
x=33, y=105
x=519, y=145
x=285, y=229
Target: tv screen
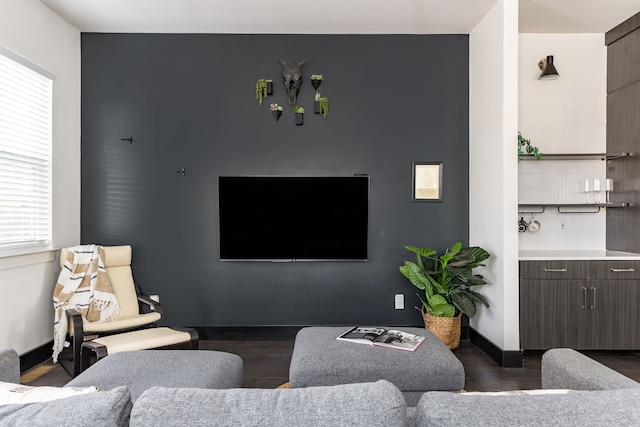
x=276, y=218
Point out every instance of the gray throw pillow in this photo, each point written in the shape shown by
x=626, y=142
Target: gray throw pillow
x=105, y=408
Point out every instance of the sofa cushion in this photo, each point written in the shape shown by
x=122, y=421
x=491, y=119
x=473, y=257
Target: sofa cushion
x=104, y=408
x=516, y=392
x=141, y=370
x=371, y=404
x=576, y=408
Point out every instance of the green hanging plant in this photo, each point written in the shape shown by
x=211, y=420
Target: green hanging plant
x=323, y=104
x=525, y=144
x=261, y=90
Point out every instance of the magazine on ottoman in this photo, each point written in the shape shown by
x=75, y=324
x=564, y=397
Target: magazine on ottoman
x=380, y=337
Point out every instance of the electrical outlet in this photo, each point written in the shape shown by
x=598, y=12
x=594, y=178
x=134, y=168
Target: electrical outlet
x=563, y=226
x=399, y=301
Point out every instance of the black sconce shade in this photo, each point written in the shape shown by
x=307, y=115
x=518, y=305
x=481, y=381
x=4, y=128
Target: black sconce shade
x=549, y=71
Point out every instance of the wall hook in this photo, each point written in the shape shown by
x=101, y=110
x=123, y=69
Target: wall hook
x=130, y=139
x=182, y=172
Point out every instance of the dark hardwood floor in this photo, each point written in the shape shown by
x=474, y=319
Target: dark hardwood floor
x=266, y=365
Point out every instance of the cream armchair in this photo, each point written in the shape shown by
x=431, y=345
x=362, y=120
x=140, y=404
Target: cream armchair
x=137, y=311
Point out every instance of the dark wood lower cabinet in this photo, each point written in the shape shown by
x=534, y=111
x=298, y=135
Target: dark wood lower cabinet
x=551, y=314
x=587, y=313
x=613, y=319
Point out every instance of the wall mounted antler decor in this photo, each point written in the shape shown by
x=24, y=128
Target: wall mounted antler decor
x=292, y=77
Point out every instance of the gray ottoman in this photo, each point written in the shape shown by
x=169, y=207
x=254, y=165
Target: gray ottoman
x=319, y=359
x=141, y=370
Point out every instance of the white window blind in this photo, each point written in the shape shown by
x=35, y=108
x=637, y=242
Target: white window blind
x=25, y=156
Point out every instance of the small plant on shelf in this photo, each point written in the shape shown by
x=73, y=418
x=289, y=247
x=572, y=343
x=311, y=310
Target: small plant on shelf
x=322, y=105
x=525, y=147
x=276, y=107
x=298, y=109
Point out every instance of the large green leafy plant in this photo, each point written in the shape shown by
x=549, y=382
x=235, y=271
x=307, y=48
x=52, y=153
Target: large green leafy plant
x=447, y=279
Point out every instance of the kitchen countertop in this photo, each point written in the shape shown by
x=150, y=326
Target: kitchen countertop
x=542, y=255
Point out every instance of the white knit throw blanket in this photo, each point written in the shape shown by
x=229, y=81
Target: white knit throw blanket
x=83, y=285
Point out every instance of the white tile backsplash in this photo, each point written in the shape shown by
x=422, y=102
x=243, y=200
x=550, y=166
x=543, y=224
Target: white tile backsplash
x=567, y=115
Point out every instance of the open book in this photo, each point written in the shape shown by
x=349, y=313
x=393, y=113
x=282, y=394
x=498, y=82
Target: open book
x=382, y=337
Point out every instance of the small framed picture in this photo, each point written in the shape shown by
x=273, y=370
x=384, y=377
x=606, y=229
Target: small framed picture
x=427, y=182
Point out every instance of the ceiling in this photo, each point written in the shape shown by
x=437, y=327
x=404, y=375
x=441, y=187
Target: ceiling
x=334, y=16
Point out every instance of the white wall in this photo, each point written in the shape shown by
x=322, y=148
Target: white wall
x=567, y=115
x=34, y=32
x=493, y=184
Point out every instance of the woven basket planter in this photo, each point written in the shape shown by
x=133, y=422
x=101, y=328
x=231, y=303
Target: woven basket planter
x=445, y=328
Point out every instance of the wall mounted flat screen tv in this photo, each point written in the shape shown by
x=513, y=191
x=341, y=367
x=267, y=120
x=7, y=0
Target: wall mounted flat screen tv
x=276, y=218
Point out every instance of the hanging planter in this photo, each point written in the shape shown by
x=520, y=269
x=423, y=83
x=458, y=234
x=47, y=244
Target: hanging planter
x=316, y=81
x=321, y=105
x=299, y=115
x=276, y=111
x=269, y=87
x=261, y=90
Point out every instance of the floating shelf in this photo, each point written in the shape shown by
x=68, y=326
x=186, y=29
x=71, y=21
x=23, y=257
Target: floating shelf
x=577, y=156
x=566, y=207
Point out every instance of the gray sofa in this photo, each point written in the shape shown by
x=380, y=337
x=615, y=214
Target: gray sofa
x=602, y=397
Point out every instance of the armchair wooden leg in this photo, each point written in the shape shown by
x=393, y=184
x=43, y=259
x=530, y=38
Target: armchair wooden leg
x=89, y=347
x=77, y=355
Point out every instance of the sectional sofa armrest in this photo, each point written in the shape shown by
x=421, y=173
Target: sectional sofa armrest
x=9, y=366
x=564, y=368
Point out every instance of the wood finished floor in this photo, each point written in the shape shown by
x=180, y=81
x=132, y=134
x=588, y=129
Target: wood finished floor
x=266, y=365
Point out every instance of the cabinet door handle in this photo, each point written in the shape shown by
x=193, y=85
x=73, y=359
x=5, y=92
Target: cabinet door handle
x=623, y=270
x=584, y=298
x=555, y=270
x=593, y=299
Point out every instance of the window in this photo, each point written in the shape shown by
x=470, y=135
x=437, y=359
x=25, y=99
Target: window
x=25, y=154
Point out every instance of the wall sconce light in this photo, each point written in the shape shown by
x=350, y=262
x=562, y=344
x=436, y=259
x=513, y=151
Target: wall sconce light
x=549, y=71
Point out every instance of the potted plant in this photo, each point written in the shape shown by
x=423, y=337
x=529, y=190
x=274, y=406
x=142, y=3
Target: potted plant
x=447, y=281
x=299, y=115
x=321, y=105
x=276, y=111
x=316, y=80
x=261, y=89
x=528, y=148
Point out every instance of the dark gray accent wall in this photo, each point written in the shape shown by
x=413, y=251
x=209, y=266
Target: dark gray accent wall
x=189, y=102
